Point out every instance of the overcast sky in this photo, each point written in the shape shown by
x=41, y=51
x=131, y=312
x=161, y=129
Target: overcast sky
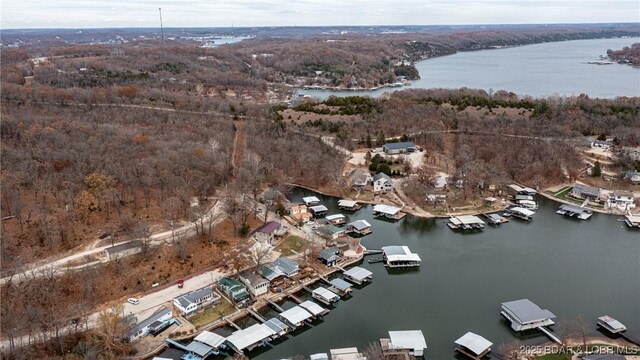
x=205, y=13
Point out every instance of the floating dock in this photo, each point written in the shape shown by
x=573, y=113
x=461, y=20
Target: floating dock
x=575, y=211
x=495, y=219
x=522, y=213
x=465, y=222
x=611, y=325
x=399, y=257
x=473, y=345
x=358, y=275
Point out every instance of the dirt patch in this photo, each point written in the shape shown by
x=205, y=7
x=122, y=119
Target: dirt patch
x=301, y=117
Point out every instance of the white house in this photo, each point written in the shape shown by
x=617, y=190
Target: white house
x=161, y=317
x=622, y=200
x=382, y=183
x=256, y=284
x=601, y=144
x=268, y=232
x=194, y=300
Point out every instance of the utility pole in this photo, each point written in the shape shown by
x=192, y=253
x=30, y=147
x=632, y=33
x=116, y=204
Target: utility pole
x=161, y=29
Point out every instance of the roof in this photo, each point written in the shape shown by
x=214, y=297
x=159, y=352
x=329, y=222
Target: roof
x=515, y=187
x=466, y=220
x=312, y=307
x=198, y=294
x=575, y=209
x=360, y=224
x=335, y=217
x=310, y=199
x=269, y=227
x=386, y=209
x=124, y=246
x=319, y=356
x=244, y=338
x=276, y=325
x=412, y=339
x=325, y=293
x=625, y=193
x=340, y=284
x=212, y=339
x=329, y=252
x=199, y=348
x=286, y=265
x=490, y=199
x=253, y=279
x=381, y=175
x=358, y=272
x=495, y=217
x=329, y=230
x=318, y=208
x=295, y=315
x=523, y=211
x=612, y=323
x=525, y=311
x=581, y=188
x=400, y=145
x=399, y=253
x=476, y=343
x=347, y=203
x=151, y=319
x=270, y=272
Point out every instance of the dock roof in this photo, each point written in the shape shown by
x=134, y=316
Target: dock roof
x=310, y=199
x=276, y=325
x=244, y=338
x=329, y=230
x=575, y=209
x=209, y=338
x=612, y=323
x=522, y=211
x=360, y=224
x=386, y=209
x=466, y=220
x=334, y=217
x=318, y=208
x=340, y=284
x=347, y=203
x=319, y=356
x=476, y=343
x=525, y=311
x=325, y=293
x=346, y=354
x=516, y=188
x=313, y=308
x=358, y=273
x=296, y=315
x=411, y=339
x=199, y=348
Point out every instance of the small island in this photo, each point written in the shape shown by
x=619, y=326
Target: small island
x=627, y=55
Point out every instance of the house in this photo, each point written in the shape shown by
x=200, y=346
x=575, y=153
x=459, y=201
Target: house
x=124, y=249
x=287, y=266
x=330, y=232
x=160, y=317
x=399, y=148
x=581, y=191
x=601, y=144
x=410, y=342
x=437, y=197
x=234, y=289
x=622, y=200
x=256, y=284
x=300, y=213
x=190, y=302
x=361, y=227
x=268, y=232
x=525, y=315
x=360, y=178
x=329, y=256
x=382, y=183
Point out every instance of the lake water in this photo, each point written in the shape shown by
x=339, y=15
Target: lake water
x=556, y=68
x=568, y=266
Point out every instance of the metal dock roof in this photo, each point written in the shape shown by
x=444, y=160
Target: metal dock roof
x=360, y=224
x=466, y=220
x=199, y=348
x=244, y=338
x=612, y=323
x=347, y=203
x=525, y=311
x=313, y=308
x=209, y=338
x=522, y=211
x=411, y=339
x=476, y=343
x=310, y=199
x=326, y=294
x=296, y=315
x=386, y=209
x=358, y=273
x=276, y=325
x=318, y=208
x=340, y=284
x=334, y=217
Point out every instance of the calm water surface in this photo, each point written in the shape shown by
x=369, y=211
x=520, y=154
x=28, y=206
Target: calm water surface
x=567, y=266
x=557, y=68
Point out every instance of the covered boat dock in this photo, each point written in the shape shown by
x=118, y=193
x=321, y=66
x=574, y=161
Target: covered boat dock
x=575, y=211
x=411, y=342
x=611, y=325
x=250, y=338
x=400, y=256
x=336, y=219
x=465, y=222
x=388, y=211
x=311, y=200
x=314, y=309
x=340, y=286
x=319, y=210
x=522, y=213
x=473, y=345
x=350, y=205
x=358, y=275
x=296, y=316
x=525, y=315
x=325, y=296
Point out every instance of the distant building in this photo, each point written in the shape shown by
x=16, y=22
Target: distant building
x=382, y=183
x=190, y=302
x=329, y=256
x=256, y=284
x=633, y=176
x=399, y=148
x=360, y=178
x=622, y=200
x=580, y=191
x=122, y=250
x=234, y=289
x=601, y=144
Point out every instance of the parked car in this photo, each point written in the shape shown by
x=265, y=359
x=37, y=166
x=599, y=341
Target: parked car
x=133, y=301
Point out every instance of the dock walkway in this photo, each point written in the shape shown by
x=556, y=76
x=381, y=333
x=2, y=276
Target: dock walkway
x=550, y=334
x=256, y=315
x=233, y=324
x=295, y=298
x=276, y=306
x=631, y=339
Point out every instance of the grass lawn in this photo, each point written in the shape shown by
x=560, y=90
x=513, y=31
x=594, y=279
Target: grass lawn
x=212, y=313
x=291, y=244
x=564, y=195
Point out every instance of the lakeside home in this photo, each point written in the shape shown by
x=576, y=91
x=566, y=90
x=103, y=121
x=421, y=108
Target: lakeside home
x=146, y=326
x=192, y=301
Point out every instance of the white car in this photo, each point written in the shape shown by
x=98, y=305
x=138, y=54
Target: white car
x=133, y=301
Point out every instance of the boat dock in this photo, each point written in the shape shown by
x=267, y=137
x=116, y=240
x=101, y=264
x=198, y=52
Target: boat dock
x=371, y=252
x=233, y=324
x=615, y=327
x=495, y=219
x=581, y=213
x=256, y=315
x=295, y=298
x=550, y=334
x=276, y=306
x=375, y=260
x=400, y=257
x=465, y=222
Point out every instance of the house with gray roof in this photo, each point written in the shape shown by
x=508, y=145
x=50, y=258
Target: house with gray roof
x=382, y=183
x=360, y=178
x=256, y=284
x=399, y=147
x=162, y=316
x=192, y=301
x=581, y=191
x=329, y=256
x=288, y=267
